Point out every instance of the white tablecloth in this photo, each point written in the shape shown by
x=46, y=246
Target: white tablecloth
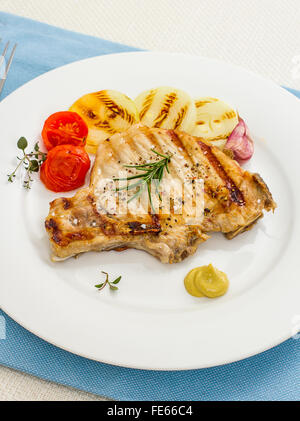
x=261, y=35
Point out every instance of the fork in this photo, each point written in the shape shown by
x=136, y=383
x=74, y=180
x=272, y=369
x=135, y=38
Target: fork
x=5, y=64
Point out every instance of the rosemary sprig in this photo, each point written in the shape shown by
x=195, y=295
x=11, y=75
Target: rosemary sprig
x=152, y=171
x=30, y=161
x=107, y=282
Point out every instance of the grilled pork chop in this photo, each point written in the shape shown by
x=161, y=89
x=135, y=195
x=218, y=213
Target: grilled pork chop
x=234, y=199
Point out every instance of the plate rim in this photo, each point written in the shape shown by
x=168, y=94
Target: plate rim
x=276, y=343
x=116, y=364
x=141, y=52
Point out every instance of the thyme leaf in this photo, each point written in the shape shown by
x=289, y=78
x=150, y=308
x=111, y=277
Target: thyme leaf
x=108, y=282
x=31, y=162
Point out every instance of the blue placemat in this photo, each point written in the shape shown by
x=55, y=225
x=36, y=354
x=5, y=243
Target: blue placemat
x=272, y=375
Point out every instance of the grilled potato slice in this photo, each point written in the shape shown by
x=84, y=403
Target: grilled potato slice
x=105, y=113
x=166, y=107
x=215, y=120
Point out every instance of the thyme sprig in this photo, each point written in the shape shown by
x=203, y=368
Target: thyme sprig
x=112, y=284
x=152, y=171
x=31, y=162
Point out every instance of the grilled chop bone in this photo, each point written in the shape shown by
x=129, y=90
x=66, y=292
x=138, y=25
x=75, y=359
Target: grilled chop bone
x=234, y=199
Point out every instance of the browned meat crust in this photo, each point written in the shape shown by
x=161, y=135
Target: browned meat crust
x=234, y=200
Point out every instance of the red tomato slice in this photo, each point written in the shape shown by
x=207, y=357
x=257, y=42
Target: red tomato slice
x=64, y=128
x=65, y=168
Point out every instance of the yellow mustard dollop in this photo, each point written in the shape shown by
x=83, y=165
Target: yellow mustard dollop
x=206, y=281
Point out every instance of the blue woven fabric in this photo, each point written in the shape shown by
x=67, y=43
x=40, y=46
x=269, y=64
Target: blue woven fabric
x=272, y=375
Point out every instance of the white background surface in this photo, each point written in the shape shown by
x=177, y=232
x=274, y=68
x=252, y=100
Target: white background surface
x=261, y=35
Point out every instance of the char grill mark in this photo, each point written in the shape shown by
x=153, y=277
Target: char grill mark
x=103, y=222
x=269, y=203
x=176, y=139
x=66, y=203
x=52, y=227
x=137, y=228
x=178, y=142
x=163, y=115
x=83, y=235
x=153, y=139
x=147, y=103
x=236, y=195
x=180, y=116
x=109, y=226
x=77, y=224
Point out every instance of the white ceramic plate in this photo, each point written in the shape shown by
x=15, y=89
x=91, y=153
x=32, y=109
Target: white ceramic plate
x=151, y=322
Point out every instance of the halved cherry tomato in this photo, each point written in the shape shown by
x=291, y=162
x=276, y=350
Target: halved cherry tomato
x=65, y=168
x=64, y=128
